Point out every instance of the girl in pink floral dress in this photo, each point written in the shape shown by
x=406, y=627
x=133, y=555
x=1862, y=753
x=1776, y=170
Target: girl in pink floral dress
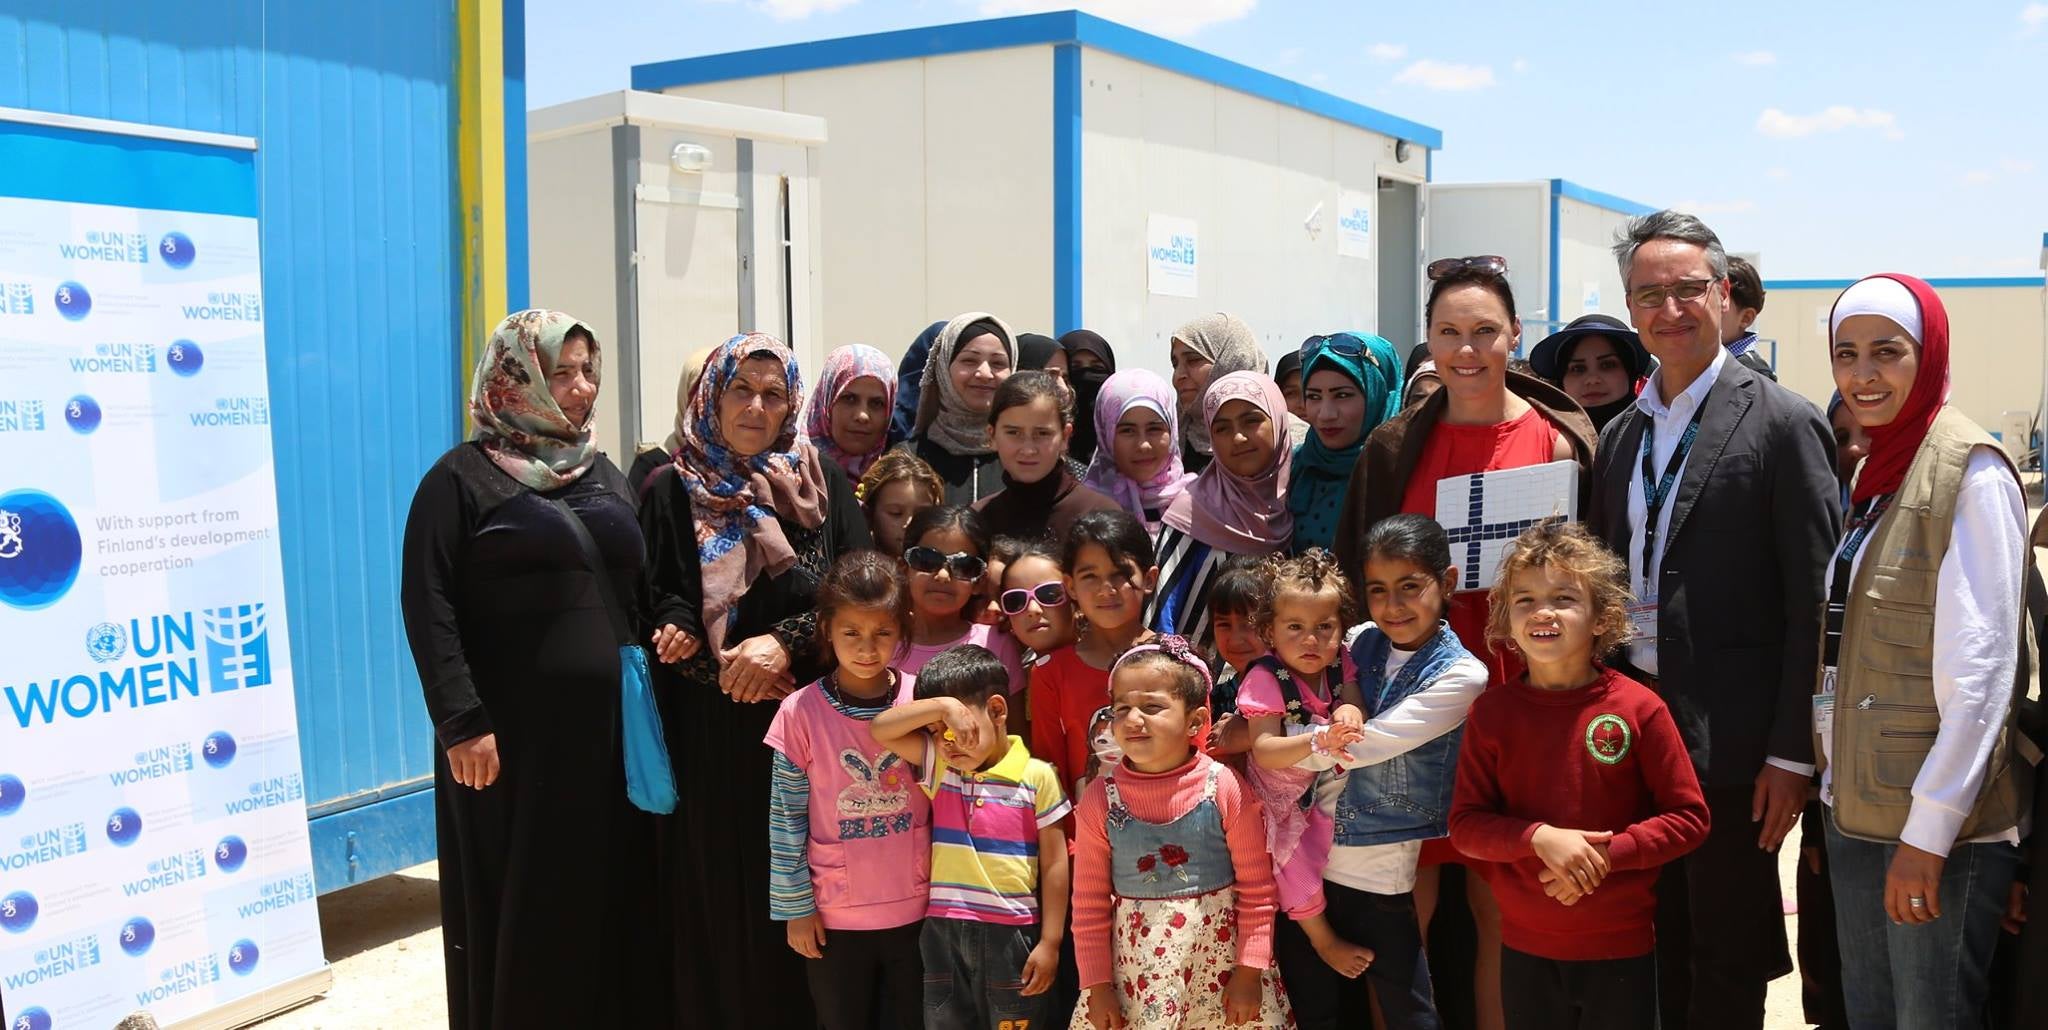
x=1173, y=891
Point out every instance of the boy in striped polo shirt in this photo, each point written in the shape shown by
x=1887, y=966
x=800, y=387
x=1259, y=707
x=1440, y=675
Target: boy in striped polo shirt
x=991, y=938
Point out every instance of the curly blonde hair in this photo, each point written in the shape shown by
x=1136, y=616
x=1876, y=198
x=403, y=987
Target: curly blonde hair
x=1313, y=572
x=1555, y=543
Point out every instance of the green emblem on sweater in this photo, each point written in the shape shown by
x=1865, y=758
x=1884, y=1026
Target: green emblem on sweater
x=1607, y=738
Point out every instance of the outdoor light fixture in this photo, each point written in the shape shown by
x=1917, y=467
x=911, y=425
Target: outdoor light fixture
x=689, y=157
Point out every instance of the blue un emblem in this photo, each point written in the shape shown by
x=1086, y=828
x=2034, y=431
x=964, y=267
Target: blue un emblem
x=106, y=642
x=237, y=646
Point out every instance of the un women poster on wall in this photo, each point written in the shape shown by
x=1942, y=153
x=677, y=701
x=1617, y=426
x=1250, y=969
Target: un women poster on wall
x=153, y=847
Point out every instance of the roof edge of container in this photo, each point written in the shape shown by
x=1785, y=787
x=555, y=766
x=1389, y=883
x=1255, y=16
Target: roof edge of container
x=639, y=107
x=1054, y=28
x=1573, y=191
x=1958, y=282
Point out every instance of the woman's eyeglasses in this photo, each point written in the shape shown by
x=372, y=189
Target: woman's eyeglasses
x=929, y=560
x=1049, y=594
x=1491, y=264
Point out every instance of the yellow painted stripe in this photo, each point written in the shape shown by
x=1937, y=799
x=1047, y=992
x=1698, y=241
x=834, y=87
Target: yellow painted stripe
x=480, y=158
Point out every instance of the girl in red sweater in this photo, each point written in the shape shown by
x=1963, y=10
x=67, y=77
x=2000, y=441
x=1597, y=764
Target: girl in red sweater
x=1572, y=779
x=1173, y=890
x=1109, y=574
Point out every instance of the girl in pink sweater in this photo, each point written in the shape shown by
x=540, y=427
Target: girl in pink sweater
x=1173, y=891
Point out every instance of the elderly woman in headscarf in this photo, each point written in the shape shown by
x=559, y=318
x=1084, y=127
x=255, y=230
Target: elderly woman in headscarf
x=1238, y=505
x=750, y=518
x=1597, y=361
x=1090, y=362
x=1351, y=383
x=1204, y=350
x=847, y=416
x=520, y=556
x=1139, y=465
x=1915, y=698
x=972, y=356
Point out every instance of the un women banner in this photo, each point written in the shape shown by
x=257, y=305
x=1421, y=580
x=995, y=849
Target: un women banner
x=153, y=848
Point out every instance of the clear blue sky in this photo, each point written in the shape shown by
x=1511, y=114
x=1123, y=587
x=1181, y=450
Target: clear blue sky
x=1836, y=141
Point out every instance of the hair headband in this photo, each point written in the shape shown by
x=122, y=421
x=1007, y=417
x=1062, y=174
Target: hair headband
x=1176, y=648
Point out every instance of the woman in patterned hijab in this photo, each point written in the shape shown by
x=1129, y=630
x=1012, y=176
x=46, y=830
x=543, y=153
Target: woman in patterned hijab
x=519, y=422
x=744, y=467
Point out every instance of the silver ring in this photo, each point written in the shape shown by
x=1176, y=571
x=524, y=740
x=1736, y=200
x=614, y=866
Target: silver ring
x=1917, y=902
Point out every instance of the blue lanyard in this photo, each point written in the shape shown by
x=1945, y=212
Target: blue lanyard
x=1860, y=527
x=1657, y=491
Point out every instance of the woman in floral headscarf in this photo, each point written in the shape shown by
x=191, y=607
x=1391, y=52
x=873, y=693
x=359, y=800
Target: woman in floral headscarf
x=749, y=518
x=511, y=627
x=847, y=417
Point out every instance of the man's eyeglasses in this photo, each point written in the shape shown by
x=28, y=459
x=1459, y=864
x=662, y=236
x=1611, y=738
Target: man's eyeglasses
x=929, y=560
x=1049, y=594
x=1649, y=298
x=1492, y=264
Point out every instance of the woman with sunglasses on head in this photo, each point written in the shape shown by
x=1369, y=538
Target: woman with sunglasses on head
x=1350, y=384
x=1030, y=423
x=749, y=518
x=945, y=562
x=1485, y=418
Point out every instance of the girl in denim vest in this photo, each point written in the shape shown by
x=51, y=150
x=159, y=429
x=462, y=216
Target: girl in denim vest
x=1414, y=682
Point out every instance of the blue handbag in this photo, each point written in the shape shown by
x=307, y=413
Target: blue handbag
x=650, y=782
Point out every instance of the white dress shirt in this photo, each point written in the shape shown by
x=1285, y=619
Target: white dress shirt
x=1669, y=421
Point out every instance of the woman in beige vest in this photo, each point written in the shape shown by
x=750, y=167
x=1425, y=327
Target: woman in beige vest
x=1915, y=696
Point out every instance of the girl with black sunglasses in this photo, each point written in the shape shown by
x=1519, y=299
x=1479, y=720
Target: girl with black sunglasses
x=945, y=561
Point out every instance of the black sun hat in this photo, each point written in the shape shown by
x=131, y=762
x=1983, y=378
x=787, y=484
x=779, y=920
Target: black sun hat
x=1552, y=355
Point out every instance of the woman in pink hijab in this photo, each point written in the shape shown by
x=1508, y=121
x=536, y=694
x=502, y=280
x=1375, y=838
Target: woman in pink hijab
x=847, y=417
x=1238, y=505
x=1137, y=461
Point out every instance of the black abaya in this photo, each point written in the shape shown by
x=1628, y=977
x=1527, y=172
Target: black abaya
x=546, y=874
x=732, y=965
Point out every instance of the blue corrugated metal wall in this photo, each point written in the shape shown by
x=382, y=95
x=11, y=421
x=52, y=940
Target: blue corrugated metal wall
x=352, y=109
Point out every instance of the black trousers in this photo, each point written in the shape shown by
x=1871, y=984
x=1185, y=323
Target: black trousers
x=1553, y=994
x=869, y=980
x=1721, y=924
x=1324, y=999
x=1820, y=957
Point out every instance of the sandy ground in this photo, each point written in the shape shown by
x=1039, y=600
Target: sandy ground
x=384, y=939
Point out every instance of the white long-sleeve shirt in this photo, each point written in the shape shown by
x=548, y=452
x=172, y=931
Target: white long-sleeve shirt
x=1976, y=612
x=1411, y=722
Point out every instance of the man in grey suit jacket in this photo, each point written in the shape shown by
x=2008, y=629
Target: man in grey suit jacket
x=1719, y=490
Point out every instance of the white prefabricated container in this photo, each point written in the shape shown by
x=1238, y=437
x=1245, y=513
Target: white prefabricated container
x=670, y=224
x=1065, y=171
x=1556, y=237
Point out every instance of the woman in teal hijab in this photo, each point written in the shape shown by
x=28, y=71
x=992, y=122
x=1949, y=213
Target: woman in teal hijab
x=1350, y=383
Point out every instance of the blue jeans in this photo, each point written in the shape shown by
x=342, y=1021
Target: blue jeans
x=1927, y=977
x=974, y=977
